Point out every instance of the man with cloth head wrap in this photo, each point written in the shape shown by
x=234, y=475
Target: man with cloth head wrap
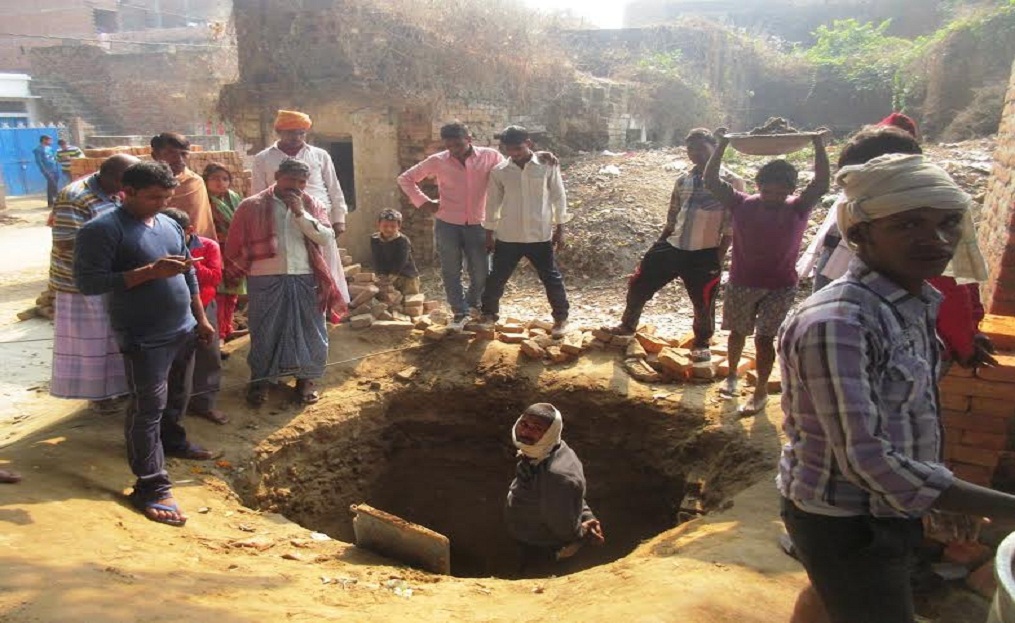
x=860, y=358
x=322, y=184
x=546, y=510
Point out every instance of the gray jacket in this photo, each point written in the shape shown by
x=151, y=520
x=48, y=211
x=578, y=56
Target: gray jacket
x=546, y=502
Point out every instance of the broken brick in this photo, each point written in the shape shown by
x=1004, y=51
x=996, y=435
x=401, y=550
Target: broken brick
x=362, y=321
x=641, y=371
x=635, y=350
x=533, y=350
x=572, y=344
x=512, y=338
x=651, y=343
x=363, y=278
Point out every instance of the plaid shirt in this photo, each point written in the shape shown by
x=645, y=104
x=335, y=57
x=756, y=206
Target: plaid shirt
x=698, y=220
x=78, y=203
x=859, y=367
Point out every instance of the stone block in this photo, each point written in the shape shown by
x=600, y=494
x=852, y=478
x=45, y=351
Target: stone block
x=413, y=310
x=533, y=350
x=352, y=270
x=362, y=321
x=510, y=328
x=544, y=341
x=483, y=333
x=384, y=314
x=363, y=277
x=429, y=306
x=415, y=299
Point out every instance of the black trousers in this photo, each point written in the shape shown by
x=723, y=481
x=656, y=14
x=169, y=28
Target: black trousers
x=52, y=189
x=506, y=256
x=663, y=263
x=159, y=381
x=860, y=566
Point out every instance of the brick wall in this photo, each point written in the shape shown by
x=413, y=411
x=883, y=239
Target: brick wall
x=143, y=93
x=997, y=221
x=978, y=414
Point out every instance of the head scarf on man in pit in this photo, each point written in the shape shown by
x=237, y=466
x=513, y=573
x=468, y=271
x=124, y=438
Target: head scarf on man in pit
x=897, y=183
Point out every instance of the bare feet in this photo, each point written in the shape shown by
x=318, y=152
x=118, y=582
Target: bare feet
x=214, y=415
x=755, y=405
x=8, y=477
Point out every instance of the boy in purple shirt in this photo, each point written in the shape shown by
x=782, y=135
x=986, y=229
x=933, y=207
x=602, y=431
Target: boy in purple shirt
x=767, y=230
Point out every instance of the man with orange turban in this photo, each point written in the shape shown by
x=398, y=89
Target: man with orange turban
x=323, y=185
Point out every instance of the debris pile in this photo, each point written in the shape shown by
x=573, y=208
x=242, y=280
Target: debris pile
x=374, y=298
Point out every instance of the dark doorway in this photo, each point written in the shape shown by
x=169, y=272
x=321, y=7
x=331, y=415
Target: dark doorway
x=341, y=155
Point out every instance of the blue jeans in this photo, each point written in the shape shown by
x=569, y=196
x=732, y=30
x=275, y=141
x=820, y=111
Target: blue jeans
x=159, y=381
x=456, y=243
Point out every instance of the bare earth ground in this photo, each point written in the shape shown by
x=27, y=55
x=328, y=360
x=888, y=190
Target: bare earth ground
x=71, y=550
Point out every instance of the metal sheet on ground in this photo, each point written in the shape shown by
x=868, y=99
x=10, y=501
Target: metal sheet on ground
x=401, y=540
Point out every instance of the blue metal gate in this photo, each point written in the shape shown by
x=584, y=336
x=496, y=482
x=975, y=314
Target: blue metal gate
x=20, y=173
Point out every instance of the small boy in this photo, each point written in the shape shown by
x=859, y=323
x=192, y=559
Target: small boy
x=207, y=374
x=392, y=253
x=767, y=230
x=526, y=208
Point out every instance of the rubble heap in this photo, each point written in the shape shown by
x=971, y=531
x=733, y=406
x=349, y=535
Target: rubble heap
x=374, y=298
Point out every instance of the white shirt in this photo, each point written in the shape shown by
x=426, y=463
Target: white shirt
x=292, y=257
x=323, y=183
x=523, y=205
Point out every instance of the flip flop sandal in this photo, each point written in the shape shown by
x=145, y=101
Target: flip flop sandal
x=9, y=477
x=752, y=408
x=143, y=507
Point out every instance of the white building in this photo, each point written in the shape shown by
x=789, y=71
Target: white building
x=18, y=107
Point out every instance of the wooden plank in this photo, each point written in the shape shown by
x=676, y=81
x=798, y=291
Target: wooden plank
x=401, y=540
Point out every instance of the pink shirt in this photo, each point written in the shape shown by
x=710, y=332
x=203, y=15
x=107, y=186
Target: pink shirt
x=462, y=188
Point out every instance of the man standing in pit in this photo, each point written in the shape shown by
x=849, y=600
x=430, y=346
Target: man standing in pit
x=546, y=512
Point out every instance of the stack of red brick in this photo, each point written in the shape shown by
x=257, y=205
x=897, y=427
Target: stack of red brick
x=978, y=410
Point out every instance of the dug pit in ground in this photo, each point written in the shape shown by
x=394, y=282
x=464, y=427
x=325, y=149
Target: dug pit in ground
x=443, y=459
